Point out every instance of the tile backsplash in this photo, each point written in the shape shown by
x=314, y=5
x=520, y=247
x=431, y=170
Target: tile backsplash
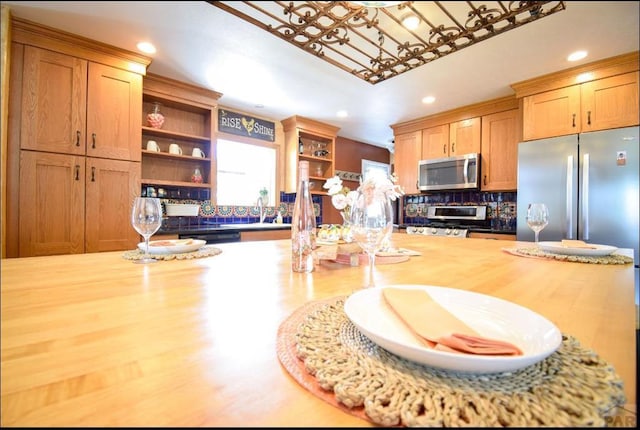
x=501, y=206
x=501, y=210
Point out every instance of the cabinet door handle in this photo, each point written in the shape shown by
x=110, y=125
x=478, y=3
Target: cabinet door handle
x=444, y=148
x=93, y=174
x=78, y=138
x=589, y=117
x=574, y=120
x=77, y=172
x=453, y=147
x=485, y=180
x=93, y=138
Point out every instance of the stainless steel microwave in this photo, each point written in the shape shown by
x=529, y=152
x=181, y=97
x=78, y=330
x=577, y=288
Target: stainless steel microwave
x=460, y=172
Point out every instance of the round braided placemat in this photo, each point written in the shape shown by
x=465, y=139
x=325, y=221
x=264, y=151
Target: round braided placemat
x=604, y=259
x=327, y=354
x=205, y=251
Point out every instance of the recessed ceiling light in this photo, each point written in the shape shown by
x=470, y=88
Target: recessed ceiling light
x=428, y=100
x=342, y=114
x=578, y=55
x=146, y=47
x=410, y=21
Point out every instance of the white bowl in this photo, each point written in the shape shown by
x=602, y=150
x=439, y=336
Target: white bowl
x=182, y=209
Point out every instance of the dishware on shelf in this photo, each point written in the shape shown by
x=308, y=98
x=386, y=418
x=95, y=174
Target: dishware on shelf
x=152, y=145
x=371, y=223
x=175, y=149
x=155, y=118
x=537, y=218
x=198, y=153
x=146, y=219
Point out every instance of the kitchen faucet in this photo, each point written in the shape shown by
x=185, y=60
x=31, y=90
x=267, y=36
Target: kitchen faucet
x=261, y=208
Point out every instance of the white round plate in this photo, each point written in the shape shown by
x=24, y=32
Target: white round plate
x=491, y=317
x=178, y=246
x=557, y=248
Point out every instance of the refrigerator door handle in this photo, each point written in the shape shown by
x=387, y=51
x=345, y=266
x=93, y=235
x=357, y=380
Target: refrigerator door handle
x=569, y=202
x=585, y=197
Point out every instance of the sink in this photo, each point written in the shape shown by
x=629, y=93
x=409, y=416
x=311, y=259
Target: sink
x=256, y=225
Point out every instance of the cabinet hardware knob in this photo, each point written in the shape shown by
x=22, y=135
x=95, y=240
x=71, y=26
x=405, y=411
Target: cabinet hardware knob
x=444, y=148
x=574, y=120
x=93, y=137
x=589, y=117
x=453, y=147
x=78, y=138
x=93, y=174
x=77, y=172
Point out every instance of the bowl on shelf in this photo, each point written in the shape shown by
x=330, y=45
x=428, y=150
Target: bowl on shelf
x=182, y=209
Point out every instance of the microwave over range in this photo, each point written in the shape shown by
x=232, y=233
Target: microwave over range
x=461, y=172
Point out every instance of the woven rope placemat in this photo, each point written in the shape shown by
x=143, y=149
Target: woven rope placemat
x=205, y=251
x=538, y=253
x=324, y=352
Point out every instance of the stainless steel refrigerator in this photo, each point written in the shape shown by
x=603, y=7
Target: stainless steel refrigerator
x=589, y=182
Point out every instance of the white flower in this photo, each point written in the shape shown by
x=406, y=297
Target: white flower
x=333, y=185
x=339, y=201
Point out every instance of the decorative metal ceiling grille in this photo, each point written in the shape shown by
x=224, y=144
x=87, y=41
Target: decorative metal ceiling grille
x=372, y=44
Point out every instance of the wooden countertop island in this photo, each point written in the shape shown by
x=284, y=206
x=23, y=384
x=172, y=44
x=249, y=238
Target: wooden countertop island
x=95, y=340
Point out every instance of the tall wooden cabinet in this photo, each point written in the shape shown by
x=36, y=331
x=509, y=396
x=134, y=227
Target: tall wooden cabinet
x=74, y=133
x=313, y=141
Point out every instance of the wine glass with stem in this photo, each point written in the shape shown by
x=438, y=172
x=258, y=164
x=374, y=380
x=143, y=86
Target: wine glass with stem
x=146, y=218
x=371, y=224
x=537, y=218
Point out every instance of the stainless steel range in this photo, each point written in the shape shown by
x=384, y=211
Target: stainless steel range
x=454, y=221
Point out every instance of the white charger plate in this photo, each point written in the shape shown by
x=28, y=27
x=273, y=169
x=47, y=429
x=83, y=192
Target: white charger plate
x=177, y=246
x=557, y=248
x=491, y=317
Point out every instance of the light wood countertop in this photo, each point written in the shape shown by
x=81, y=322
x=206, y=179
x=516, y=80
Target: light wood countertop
x=95, y=340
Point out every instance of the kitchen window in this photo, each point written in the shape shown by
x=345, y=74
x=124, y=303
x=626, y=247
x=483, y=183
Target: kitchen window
x=243, y=170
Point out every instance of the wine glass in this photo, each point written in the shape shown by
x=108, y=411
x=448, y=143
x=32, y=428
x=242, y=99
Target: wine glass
x=146, y=218
x=537, y=217
x=371, y=223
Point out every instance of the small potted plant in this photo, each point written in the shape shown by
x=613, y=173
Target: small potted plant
x=264, y=195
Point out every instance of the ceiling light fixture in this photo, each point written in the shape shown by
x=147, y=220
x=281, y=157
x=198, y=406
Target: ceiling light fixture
x=578, y=55
x=410, y=21
x=428, y=100
x=146, y=47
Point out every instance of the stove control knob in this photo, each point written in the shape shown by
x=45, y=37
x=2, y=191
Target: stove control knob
x=434, y=231
x=456, y=232
x=410, y=230
x=420, y=229
x=447, y=232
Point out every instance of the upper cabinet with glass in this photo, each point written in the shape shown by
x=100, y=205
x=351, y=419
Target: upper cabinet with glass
x=313, y=141
x=180, y=119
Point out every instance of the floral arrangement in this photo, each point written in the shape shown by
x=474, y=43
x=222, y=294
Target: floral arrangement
x=375, y=186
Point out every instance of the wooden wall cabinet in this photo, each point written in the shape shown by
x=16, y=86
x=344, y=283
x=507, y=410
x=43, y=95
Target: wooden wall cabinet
x=435, y=142
x=408, y=151
x=499, y=151
x=73, y=145
x=447, y=140
x=464, y=137
x=315, y=136
x=596, y=96
x=190, y=122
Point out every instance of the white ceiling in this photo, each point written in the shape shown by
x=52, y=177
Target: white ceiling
x=206, y=46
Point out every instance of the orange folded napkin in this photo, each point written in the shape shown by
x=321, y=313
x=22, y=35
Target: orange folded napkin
x=438, y=328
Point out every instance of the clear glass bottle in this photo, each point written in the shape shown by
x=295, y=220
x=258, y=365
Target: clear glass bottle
x=303, y=224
